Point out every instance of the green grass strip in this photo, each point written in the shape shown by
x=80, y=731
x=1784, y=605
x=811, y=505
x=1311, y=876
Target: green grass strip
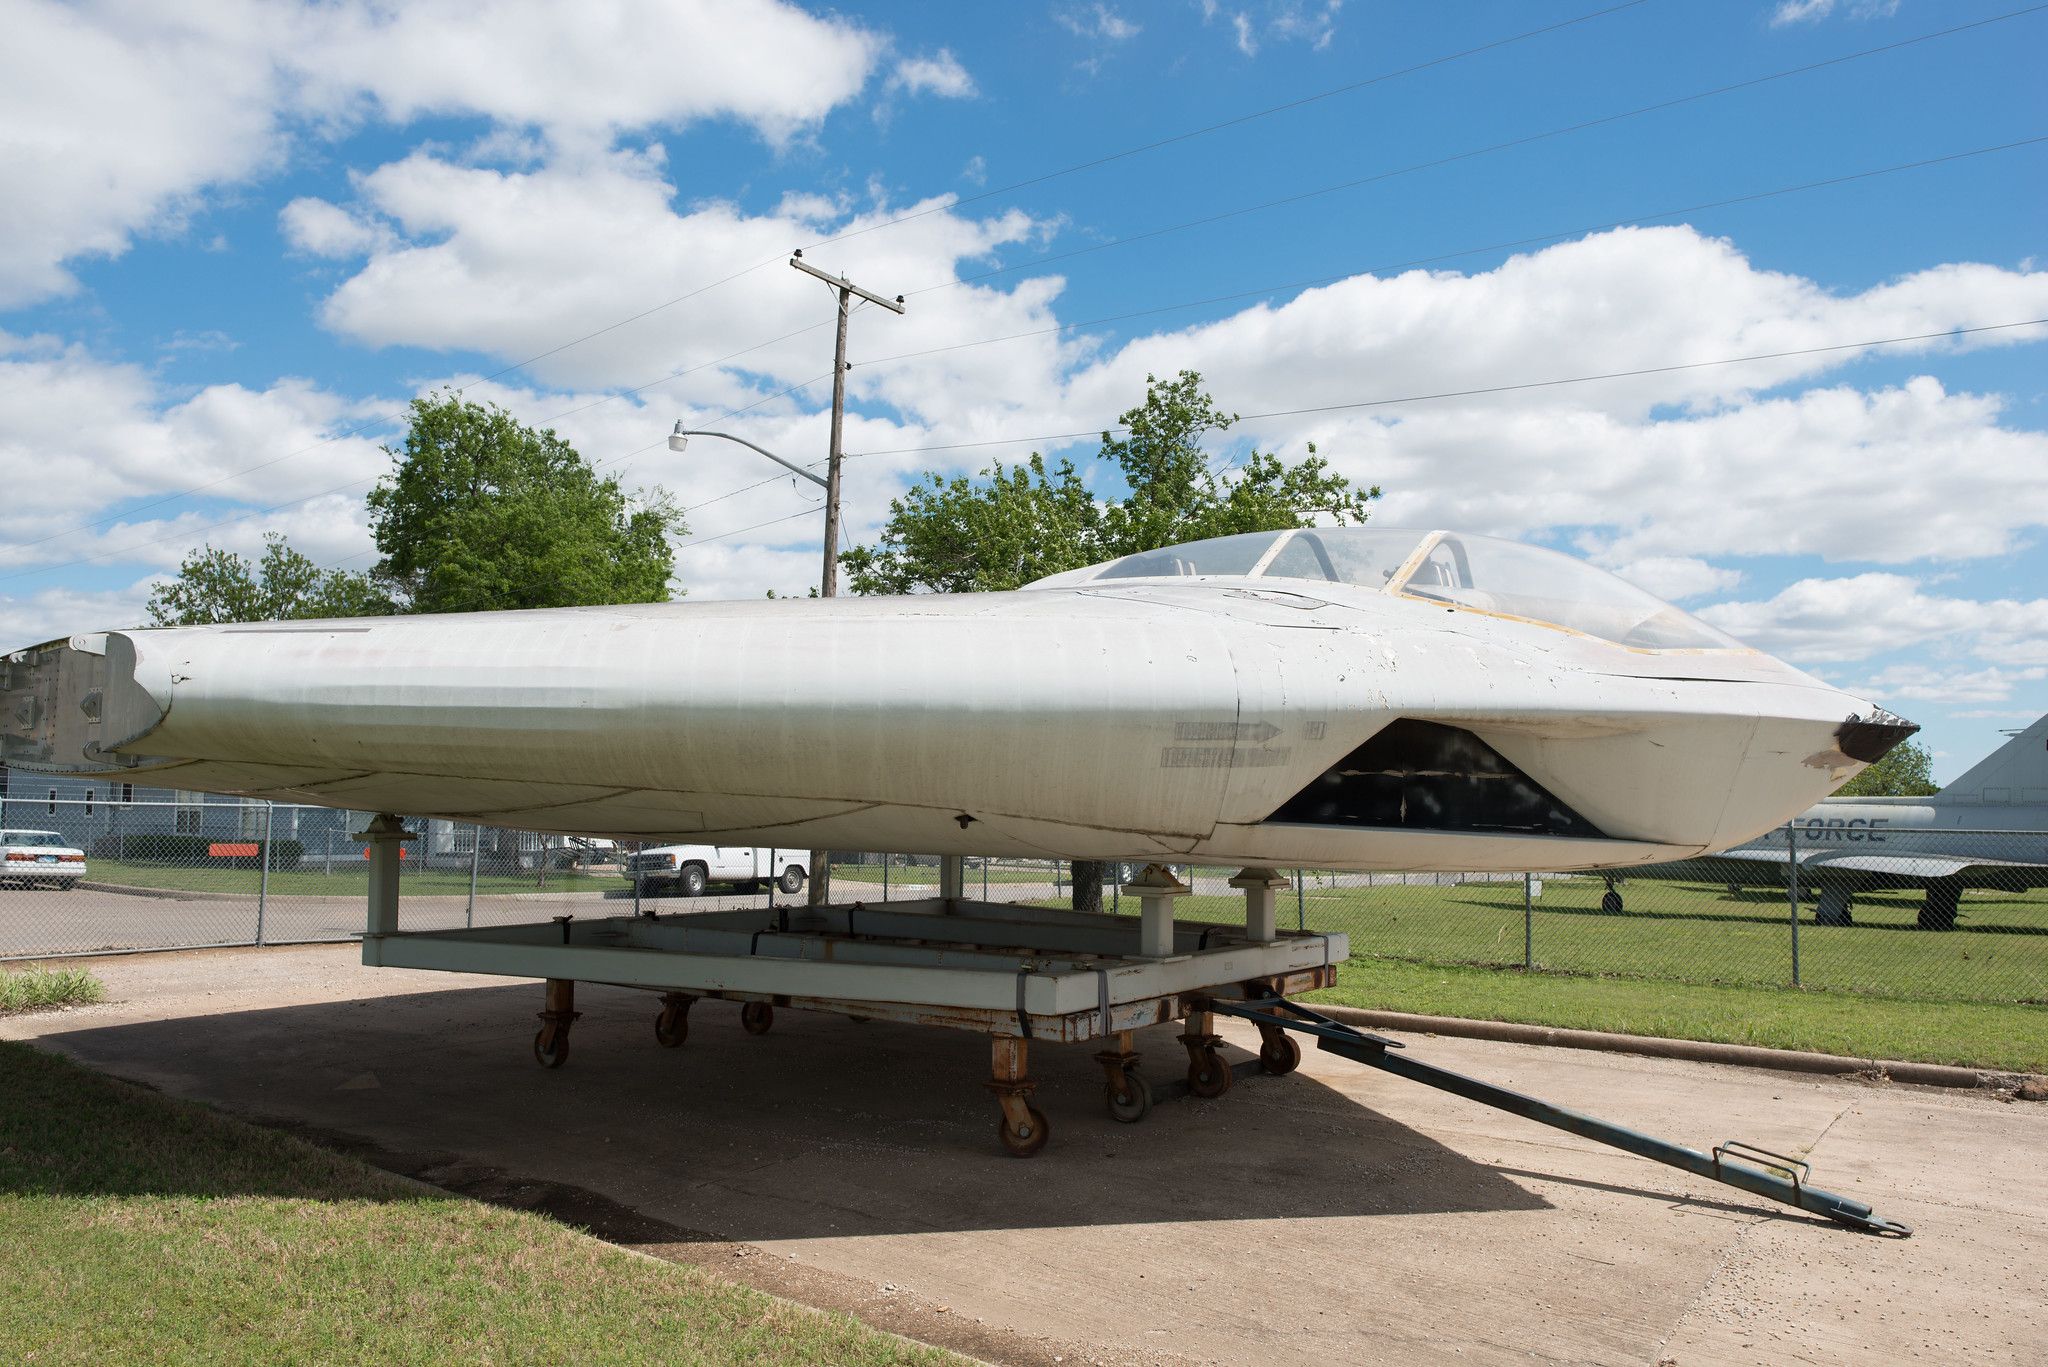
x=138, y=1228
x=1971, y=1034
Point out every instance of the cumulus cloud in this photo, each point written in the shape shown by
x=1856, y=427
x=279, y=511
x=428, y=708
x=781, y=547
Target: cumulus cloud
x=939, y=74
x=184, y=99
x=1677, y=577
x=1813, y=11
x=319, y=228
x=1863, y=615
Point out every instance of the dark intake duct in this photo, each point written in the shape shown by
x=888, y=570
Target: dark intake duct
x=1423, y=776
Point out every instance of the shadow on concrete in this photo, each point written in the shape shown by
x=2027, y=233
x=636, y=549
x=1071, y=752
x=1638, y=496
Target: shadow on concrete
x=822, y=1128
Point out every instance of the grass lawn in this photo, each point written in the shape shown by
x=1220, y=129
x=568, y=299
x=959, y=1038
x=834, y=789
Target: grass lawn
x=136, y=1228
x=1694, y=961
x=929, y=874
x=348, y=880
x=1972, y=1034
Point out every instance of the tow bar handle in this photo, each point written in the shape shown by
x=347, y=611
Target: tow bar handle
x=1774, y=1176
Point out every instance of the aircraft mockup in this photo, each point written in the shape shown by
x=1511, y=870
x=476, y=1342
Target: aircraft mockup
x=1361, y=698
x=1988, y=829
x=1358, y=698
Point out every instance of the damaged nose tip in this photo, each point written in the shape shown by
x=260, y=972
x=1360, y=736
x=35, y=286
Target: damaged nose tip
x=1869, y=739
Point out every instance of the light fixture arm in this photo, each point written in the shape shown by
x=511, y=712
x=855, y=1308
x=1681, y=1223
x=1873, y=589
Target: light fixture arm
x=793, y=469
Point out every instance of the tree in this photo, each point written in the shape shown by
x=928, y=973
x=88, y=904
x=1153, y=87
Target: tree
x=483, y=512
x=1010, y=526
x=1903, y=771
x=214, y=585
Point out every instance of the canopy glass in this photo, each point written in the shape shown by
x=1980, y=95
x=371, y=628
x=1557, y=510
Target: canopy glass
x=1457, y=569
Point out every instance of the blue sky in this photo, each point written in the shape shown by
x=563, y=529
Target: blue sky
x=242, y=236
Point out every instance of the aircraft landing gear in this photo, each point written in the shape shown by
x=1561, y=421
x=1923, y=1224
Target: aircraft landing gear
x=1938, y=911
x=1610, y=900
x=1833, y=909
x=757, y=1017
x=551, y=1044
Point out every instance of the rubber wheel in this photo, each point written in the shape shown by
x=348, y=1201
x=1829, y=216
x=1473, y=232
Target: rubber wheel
x=1209, y=1078
x=551, y=1047
x=671, y=1027
x=757, y=1017
x=1610, y=903
x=690, y=882
x=1031, y=1141
x=792, y=880
x=1280, y=1056
x=1132, y=1101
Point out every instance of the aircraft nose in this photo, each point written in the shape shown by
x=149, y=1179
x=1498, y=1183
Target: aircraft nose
x=1869, y=738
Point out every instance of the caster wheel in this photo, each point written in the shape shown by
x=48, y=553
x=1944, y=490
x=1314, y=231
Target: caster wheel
x=1209, y=1077
x=1280, y=1056
x=551, y=1047
x=672, y=1026
x=1026, y=1140
x=1610, y=903
x=756, y=1017
x=1130, y=1101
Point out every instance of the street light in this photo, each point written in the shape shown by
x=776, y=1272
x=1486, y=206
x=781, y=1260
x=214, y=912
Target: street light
x=680, y=438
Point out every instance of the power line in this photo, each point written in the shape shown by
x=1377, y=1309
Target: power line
x=737, y=531
x=1482, y=390
x=694, y=292
x=1412, y=262
x=1469, y=154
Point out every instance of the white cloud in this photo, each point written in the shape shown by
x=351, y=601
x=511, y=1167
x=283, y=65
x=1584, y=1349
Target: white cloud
x=1863, y=615
x=1096, y=21
x=318, y=228
x=939, y=74
x=1813, y=11
x=183, y=99
x=1302, y=21
x=1937, y=683
x=1677, y=577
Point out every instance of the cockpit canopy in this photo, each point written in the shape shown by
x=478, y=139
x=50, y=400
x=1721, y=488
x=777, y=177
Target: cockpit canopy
x=1456, y=569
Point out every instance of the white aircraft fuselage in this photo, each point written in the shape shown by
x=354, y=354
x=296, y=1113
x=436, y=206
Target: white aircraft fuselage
x=1357, y=708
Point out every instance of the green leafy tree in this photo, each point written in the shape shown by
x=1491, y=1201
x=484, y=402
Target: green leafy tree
x=1009, y=526
x=1906, y=770
x=481, y=511
x=214, y=585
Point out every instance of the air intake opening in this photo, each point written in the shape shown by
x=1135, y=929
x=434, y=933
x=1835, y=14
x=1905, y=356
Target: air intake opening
x=1424, y=776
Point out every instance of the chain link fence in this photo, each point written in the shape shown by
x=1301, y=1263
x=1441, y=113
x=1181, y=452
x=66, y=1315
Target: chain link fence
x=165, y=875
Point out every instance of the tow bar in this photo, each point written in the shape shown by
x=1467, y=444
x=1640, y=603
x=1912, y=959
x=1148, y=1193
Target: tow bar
x=1781, y=1178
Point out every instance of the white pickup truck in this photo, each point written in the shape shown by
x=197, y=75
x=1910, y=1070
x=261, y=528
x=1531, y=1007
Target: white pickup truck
x=685, y=869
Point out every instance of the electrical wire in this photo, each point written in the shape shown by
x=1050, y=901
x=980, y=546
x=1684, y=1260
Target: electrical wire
x=1479, y=391
x=1467, y=155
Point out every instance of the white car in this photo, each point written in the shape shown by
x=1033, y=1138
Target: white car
x=686, y=869
x=28, y=857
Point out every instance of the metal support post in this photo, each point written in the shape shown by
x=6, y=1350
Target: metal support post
x=885, y=877
x=1300, y=902
x=1792, y=890
x=476, y=854
x=1261, y=888
x=387, y=836
x=952, y=880
x=1156, y=888
x=263, y=878
x=1528, y=923
x=984, y=878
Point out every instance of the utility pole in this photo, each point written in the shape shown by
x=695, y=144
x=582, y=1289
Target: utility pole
x=828, y=582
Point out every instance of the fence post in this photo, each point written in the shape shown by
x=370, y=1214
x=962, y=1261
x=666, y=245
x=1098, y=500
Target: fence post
x=984, y=878
x=1528, y=923
x=1300, y=903
x=263, y=878
x=1792, y=890
x=476, y=850
x=885, y=877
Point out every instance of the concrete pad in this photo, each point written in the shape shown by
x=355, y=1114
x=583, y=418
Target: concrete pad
x=1340, y=1214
